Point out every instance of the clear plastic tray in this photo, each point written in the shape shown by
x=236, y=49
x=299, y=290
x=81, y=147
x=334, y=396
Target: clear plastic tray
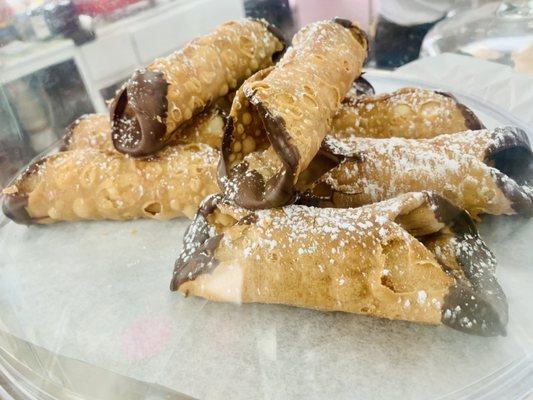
x=85, y=311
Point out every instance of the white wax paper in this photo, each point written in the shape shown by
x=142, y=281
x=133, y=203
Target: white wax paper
x=98, y=292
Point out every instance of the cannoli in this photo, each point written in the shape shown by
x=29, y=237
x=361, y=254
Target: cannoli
x=484, y=172
x=89, y=184
x=148, y=110
x=408, y=112
x=414, y=258
x=280, y=115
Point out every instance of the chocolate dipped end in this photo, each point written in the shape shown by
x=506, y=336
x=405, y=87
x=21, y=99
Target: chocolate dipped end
x=331, y=154
x=363, y=87
x=138, y=114
x=360, y=87
x=512, y=157
x=15, y=205
x=197, y=256
x=472, y=122
x=247, y=187
x=477, y=304
x=200, y=243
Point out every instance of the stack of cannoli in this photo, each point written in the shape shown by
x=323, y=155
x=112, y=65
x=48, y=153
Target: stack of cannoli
x=156, y=155
x=318, y=192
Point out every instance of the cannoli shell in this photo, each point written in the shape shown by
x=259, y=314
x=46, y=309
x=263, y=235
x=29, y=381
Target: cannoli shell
x=93, y=131
x=92, y=185
x=280, y=115
x=149, y=109
x=90, y=131
x=371, y=260
x=408, y=112
x=484, y=171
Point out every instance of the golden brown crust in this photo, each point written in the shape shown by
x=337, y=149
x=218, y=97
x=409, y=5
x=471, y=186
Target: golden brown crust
x=280, y=115
x=459, y=166
x=90, y=131
x=371, y=260
x=408, y=112
x=151, y=107
x=206, y=128
x=93, y=131
x=88, y=184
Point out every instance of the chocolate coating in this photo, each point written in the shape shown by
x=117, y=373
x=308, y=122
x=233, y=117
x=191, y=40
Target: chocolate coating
x=472, y=122
x=511, y=153
x=201, y=261
x=512, y=156
x=14, y=206
x=360, y=35
x=360, y=87
x=329, y=156
x=139, y=111
x=138, y=114
x=198, y=246
x=363, y=87
x=250, y=189
x=323, y=162
x=476, y=305
x=278, y=34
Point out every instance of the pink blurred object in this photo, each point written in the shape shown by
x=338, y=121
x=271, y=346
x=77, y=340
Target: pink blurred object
x=314, y=10
x=99, y=7
x=146, y=337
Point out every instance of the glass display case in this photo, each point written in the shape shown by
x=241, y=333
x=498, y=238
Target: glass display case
x=299, y=292
x=497, y=31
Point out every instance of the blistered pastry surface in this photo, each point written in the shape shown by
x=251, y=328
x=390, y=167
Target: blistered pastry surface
x=407, y=112
x=88, y=184
x=206, y=128
x=415, y=257
x=287, y=110
x=452, y=165
x=354, y=260
x=92, y=131
x=306, y=87
x=212, y=65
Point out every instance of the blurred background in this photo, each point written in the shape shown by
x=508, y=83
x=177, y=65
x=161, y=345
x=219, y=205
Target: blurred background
x=60, y=59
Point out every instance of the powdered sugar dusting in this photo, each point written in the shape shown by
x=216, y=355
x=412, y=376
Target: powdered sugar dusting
x=452, y=165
